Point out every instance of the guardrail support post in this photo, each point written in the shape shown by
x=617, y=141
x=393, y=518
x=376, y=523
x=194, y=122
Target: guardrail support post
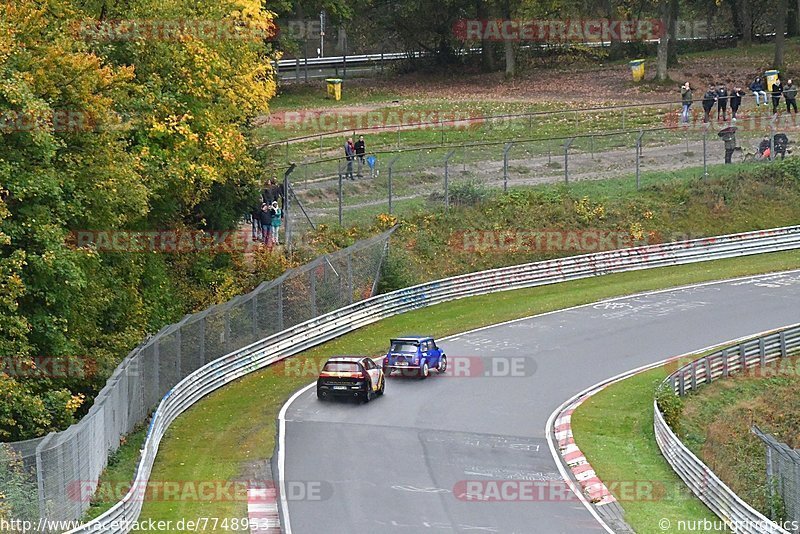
x=447, y=179
x=694, y=376
x=505, y=165
x=762, y=353
x=783, y=344
x=742, y=358
x=681, y=384
x=724, y=363
x=708, y=370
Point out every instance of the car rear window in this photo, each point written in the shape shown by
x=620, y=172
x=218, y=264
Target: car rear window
x=341, y=367
x=399, y=346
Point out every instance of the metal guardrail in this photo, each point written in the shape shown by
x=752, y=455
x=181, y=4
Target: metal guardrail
x=294, y=340
x=697, y=475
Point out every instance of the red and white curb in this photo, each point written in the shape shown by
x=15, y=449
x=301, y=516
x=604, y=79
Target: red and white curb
x=262, y=510
x=593, y=488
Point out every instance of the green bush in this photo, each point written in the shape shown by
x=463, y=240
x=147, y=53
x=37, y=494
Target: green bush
x=671, y=405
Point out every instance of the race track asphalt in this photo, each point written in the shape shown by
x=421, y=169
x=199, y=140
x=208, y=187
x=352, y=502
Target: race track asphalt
x=398, y=464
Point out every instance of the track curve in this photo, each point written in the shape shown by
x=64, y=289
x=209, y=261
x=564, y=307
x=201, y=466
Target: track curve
x=397, y=463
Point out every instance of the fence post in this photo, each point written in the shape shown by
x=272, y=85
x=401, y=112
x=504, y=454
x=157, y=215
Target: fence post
x=447, y=179
x=762, y=353
x=772, y=140
x=724, y=363
x=287, y=187
x=340, y=192
x=705, y=151
x=623, y=118
x=349, y=278
x=312, y=294
x=567, y=144
x=391, y=164
x=591, y=146
x=505, y=165
x=638, y=157
x=320, y=146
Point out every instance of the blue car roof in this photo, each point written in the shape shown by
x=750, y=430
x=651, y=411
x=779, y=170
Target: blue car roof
x=414, y=339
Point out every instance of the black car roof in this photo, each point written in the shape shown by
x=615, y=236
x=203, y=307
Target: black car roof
x=352, y=359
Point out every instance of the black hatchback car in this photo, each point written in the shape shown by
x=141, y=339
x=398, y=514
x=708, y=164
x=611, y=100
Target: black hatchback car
x=350, y=377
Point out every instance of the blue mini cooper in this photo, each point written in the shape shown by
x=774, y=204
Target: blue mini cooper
x=414, y=355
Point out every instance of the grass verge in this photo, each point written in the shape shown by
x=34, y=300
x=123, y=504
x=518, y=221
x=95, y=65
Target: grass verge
x=221, y=437
x=614, y=429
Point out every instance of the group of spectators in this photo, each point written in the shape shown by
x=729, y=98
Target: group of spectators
x=268, y=214
x=354, y=152
x=720, y=96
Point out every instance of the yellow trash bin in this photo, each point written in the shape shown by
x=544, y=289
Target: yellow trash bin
x=771, y=76
x=637, y=69
x=334, y=88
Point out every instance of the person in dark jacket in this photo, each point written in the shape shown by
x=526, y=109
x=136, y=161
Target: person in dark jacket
x=790, y=94
x=361, y=151
x=729, y=137
x=266, y=223
x=255, y=215
x=777, y=91
x=736, y=101
x=708, y=102
x=757, y=87
x=722, y=101
x=349, y=154
x=686, y=100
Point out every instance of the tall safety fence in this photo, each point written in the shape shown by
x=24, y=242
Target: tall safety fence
x=65, y=466
x=515, y=152
x=782, y=479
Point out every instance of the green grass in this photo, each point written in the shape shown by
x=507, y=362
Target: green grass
x=614, y=429
x=218, y=437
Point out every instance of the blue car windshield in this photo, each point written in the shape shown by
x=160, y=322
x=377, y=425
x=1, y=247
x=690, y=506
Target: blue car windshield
x=399, y=346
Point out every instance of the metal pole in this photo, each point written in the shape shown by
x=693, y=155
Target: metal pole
x=591, y=146
x=340, y=193
x=623, y=118
x=638, y=157
x=772, y=141
x=391, y=164
x=705, y=154
x=505, y=165
x=447, y=179
x=567, y=144
x=320, y=146
x=287, y=186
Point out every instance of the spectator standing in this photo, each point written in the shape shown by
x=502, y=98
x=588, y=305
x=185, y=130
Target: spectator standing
x=729, y=137
x=276, y=214
x=686, y=98
x=361, y=151
x=349, y=154
x=736, y=101
x=790, y=94
x=757, y=87
x=708, y=102
x=255, y=215
x=777, y=91
x=266, y=223
x=722, y=101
